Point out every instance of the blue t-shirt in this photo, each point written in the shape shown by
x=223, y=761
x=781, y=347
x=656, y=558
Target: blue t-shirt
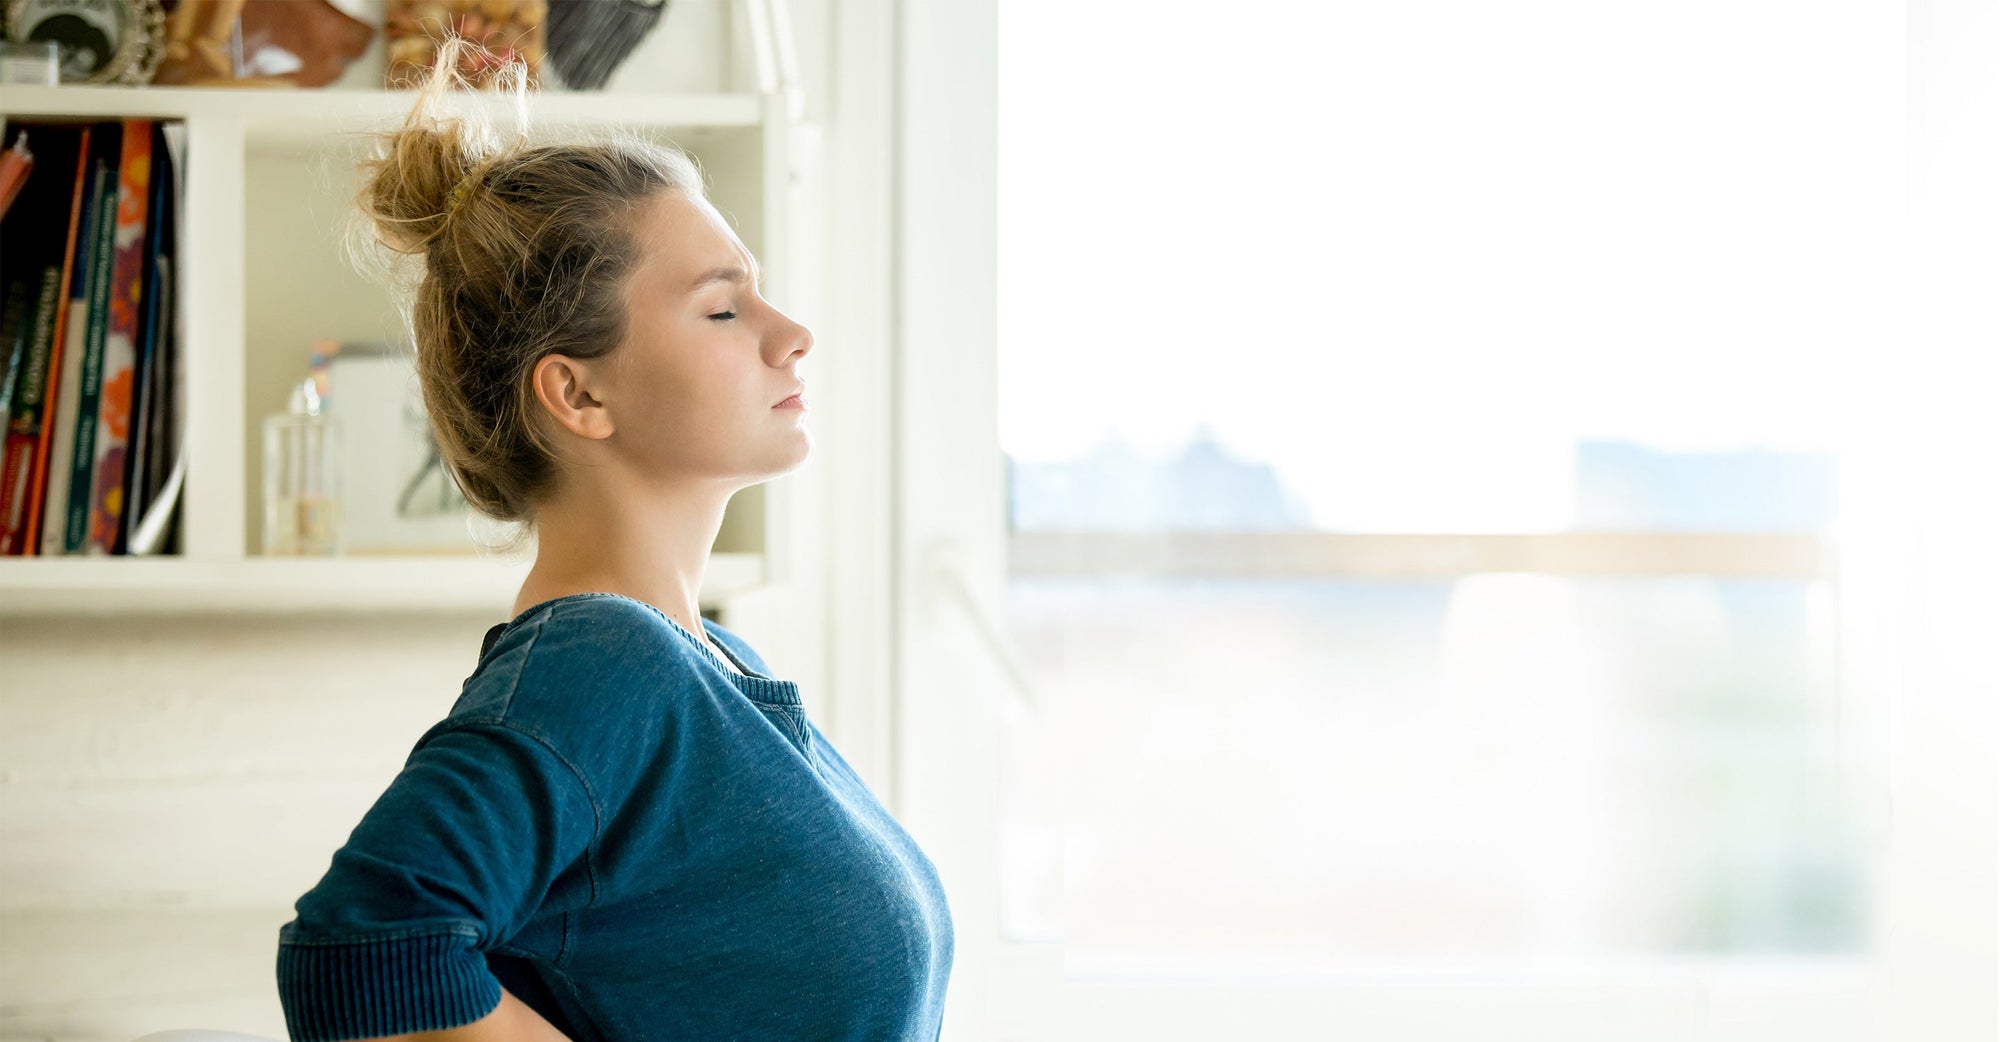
x=637, y=842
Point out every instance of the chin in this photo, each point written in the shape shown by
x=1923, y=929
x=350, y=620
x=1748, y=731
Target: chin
x=796, y=457
x=805, y=447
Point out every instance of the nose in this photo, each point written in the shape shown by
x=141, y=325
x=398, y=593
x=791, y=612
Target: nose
x=801, y=342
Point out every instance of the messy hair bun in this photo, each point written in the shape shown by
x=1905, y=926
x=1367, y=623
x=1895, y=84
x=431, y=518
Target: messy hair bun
x=506, y=251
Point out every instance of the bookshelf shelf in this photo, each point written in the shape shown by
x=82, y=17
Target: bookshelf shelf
x=270, y=172
x=308, y=117
x=100, y=585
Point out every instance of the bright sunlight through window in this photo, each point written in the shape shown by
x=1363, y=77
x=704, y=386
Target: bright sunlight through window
x=1298, y=274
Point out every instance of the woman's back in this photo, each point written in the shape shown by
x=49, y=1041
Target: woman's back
x=635, y=840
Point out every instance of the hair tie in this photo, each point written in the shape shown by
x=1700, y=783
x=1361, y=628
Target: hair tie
x=464, y=183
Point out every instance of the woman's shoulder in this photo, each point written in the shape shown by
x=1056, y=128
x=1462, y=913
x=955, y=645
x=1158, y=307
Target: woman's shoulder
x=602, y=680
x=584, y=655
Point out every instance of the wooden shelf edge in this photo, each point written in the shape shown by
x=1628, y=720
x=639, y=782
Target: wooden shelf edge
x=39, y=586
x=306, y=116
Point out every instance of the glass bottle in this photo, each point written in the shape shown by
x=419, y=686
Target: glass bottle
x=302, y=487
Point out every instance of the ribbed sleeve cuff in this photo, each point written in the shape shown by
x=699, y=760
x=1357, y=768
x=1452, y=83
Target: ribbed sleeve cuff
x=387, y=986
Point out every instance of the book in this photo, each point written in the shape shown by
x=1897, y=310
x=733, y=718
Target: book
x=24, y=421
x=15, y=165
x=160, y=463
x=29, y=537
x=105, y=473
x=150, y=357
x=88, y=310
x=67, y=508
x=89, y=423
x=17, y=322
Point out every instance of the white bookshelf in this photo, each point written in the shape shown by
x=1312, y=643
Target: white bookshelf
x=109, y=585
x=269, y=179
x=304, y=116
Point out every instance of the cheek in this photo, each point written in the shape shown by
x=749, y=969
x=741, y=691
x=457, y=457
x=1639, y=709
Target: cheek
x=696, y=379
x=696, y=396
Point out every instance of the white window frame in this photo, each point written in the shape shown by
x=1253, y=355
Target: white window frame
x=1344, y=555
x=913, y=267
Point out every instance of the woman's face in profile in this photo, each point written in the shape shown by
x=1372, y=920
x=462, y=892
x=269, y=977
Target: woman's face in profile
x=705, y=357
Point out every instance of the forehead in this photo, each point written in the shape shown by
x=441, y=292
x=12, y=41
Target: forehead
x=681, y=238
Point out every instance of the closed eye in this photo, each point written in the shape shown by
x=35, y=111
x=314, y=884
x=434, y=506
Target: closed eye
x=724, y=316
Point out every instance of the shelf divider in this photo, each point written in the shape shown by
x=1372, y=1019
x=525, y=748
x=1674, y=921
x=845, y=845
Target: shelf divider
x=209, y=293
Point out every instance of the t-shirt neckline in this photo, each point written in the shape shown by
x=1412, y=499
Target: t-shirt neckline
x=755, y=685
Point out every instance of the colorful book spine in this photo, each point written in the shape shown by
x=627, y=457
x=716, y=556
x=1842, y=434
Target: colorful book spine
x=147, y=376
x=68, y=392
x=83, y=457
x=15, y=164
x=24, y=421
x=25, y=534
x=17, y=326
x=161, y=468
x=106, y=501
x=91, y=447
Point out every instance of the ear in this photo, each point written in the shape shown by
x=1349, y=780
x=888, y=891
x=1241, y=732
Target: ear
x=565, y=388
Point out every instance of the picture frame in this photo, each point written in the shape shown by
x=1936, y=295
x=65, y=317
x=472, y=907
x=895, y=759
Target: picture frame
x=398, y=497
x=97, y=41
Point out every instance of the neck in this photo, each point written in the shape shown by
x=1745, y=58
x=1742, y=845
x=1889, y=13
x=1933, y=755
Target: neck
x=652, y=548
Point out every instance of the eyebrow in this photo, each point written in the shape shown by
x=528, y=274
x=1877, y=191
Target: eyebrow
x=714, y=275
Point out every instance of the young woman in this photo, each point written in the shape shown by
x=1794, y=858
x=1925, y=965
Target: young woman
x=625, y=828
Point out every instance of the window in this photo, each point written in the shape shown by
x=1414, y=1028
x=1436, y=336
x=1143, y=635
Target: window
x=1424, y=467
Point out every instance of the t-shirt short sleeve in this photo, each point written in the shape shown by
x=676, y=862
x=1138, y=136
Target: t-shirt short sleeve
x=453, y=858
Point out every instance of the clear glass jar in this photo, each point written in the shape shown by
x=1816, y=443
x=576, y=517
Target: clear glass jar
x=302, y=486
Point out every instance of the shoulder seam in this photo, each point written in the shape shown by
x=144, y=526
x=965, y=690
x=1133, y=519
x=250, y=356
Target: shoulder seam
x=596, y=806
x=590, y=793
x=526, y=654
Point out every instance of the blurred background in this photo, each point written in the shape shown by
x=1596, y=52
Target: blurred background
x=1423, y=522
x=1467, y=541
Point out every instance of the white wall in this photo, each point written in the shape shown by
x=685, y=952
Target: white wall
x=169, y=785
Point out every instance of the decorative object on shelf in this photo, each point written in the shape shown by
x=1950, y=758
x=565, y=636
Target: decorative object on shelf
x=400, y=497
x=261, y=43
x=204, y=58
x=302, y=478
x=37, y=64
x=589, y=39
x=99, y=41
x=506, y=30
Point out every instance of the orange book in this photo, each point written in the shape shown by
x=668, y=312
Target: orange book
x=106, y=506
x=14, y=166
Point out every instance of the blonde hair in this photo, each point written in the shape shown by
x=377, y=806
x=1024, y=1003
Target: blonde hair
x=519, y=251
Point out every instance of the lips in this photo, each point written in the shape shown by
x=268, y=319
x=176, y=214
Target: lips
x=800, y=392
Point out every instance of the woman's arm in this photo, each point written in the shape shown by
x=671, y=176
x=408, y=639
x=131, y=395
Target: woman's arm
x=511, y=1021
x=458, y=854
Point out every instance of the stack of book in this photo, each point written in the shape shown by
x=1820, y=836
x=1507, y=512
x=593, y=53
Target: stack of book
x=91, y=393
